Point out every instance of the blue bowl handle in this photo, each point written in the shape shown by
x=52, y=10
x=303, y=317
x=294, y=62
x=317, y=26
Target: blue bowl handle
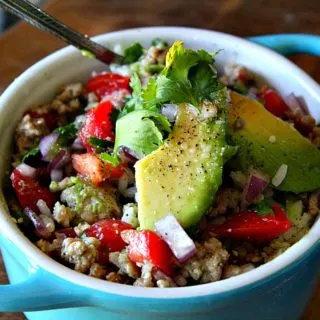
x=40, y=291
x=290, y=43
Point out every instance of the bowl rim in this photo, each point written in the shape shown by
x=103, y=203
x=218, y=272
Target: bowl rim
x=13, y=234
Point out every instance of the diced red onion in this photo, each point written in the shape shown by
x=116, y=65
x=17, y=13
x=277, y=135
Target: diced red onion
x=77, y=145
x=38, y=223
x=126, y=155
x=170, y=111
x=255, y=187
x=43, y=207
x=296, y=103
x=61, y=159
x=56, y=175
x=26, y=170
x=47, y=142
x=178, y=240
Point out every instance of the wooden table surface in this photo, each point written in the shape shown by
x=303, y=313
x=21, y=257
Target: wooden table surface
x=23, y=45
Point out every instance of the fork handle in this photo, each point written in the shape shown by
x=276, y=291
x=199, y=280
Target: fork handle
x=37, y=17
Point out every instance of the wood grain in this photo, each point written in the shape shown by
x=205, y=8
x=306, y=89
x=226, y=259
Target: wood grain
x=23, y=45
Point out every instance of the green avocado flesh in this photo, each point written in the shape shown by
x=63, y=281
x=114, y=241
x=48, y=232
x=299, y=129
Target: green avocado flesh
x=183, y=175
x=266, y=142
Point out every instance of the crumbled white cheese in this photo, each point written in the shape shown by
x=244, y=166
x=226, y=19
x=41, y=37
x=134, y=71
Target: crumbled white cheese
x=62, y=214
x=80, y=252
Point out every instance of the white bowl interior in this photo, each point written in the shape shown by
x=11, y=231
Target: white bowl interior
x=39, y=84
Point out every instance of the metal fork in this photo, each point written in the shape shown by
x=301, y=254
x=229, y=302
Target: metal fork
x=42, y=20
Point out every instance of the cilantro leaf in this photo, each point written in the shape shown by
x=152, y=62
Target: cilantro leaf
x=142, y=98
x=149, y=95
x=68, y=131
x=189, y=76
x=133, y=53
x=170, y=90
x=135, y=102
x=31, y=153
x=112, y=159
x=99, y=144
x=264, y=207
x=140, y=131
x=67, y=134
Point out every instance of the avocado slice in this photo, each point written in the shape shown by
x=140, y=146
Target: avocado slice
x=183, y=175
x=266, y=142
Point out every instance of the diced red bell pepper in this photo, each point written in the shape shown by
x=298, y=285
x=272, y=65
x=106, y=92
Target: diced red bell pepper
x=97, y=124
x=147, y=246
x=273, y=102
x=249, y=225
x=93, y=168
x=116, y=172
x=109, y=233
x=29, y=191
x=106, y=83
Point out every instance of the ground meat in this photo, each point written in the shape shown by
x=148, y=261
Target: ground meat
x=245, y=252
x=295, y=233
x=314, y=203
x=207, y=265
x=62, y=214
x=162, y=280
x=97, y=271
x=151, y=278
x=47, y=247
x=70, y=91
x=305, y=124
x=233, y=270
x=122, y=261
x=239, y=179
x=29, y=132
x=67, y=100
x=80, y=252
x=227, y=198
x=145, y=279
x=115, y=277
x=180, y=280
x=81, y=228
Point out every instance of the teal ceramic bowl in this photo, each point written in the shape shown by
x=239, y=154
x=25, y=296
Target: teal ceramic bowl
x=44, y=289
